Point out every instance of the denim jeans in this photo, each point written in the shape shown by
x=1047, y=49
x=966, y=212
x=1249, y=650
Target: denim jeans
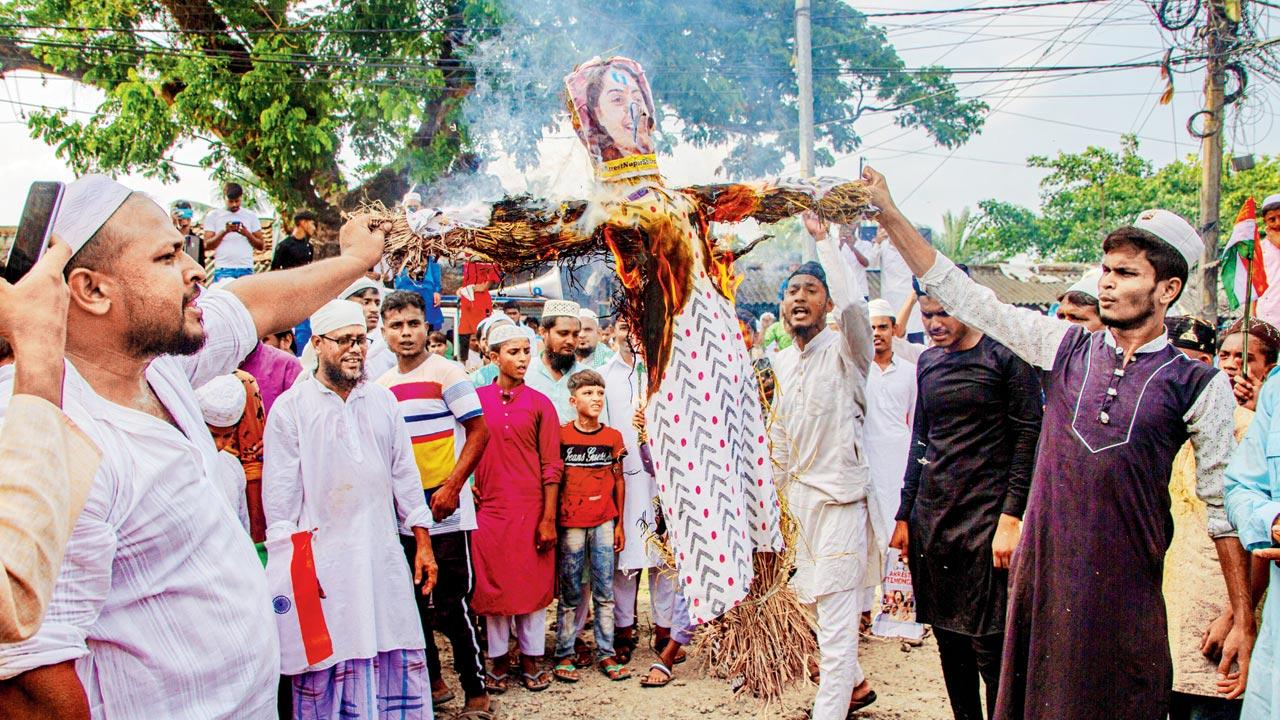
x=229, y=274
x=576, y=546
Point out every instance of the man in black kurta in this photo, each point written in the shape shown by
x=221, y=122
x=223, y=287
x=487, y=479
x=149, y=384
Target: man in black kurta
x=1085, y=634
x=973, y=448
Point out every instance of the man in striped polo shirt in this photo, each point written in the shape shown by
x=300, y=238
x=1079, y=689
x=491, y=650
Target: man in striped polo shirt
x=447, y=428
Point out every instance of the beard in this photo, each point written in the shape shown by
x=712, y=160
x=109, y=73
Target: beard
x=340, y=379
x=152, y=336
x=560, y=362
x=584, y=353
x=1142, y=315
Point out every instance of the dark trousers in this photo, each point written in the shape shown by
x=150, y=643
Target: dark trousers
x=964, y=659
x=1201, y=707
x=448, y=609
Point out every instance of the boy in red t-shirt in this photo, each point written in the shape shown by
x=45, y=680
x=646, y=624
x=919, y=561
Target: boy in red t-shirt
x=591, y=492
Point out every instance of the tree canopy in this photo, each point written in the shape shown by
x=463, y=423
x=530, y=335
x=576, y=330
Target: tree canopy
x=1087, y=194
x=322, y=105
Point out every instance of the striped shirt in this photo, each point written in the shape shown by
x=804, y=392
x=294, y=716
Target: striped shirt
x=435, y=399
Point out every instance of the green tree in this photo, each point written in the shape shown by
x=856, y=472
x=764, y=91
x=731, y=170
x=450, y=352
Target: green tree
x=955, y=240
x=1089, y=193
x=412, y=90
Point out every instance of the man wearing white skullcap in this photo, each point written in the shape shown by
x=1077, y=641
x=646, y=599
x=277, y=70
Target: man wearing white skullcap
x=1079, y=304
x=488, y=372
x=222, y=402
x=1118, y=406
x=151, y=551
x=590, y=351
x=338, y=456
x=891, y=406
x=550, y=371
x=1269, y=302
x=368, y=293
x=412, y=202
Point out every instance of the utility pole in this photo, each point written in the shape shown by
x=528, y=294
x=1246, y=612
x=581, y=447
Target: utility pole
x=1217, y=32
x=804, y=76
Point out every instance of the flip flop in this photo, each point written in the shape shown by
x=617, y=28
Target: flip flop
x=495, y=684
x=536, y=682
x=645, y=682
x=857, y=705
x=566, y=671
x=613, y=670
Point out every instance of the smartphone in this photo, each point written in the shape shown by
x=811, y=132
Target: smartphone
x=34, y=229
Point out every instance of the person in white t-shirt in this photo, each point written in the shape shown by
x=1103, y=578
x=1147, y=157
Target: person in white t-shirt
x=232, y=235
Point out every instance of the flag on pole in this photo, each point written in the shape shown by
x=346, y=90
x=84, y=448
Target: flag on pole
x=295, y=599
x=1242, y=252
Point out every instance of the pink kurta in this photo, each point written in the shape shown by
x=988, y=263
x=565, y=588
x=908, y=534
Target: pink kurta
x=523, y=454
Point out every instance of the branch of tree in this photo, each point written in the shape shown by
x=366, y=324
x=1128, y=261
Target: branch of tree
x=14, y=57
x=199, y=19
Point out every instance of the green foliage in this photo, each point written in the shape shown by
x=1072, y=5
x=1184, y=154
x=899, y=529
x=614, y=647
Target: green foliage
x=1087, y=194
x=412, y=88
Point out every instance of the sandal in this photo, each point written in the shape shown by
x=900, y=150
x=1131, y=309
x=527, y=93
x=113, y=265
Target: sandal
x=613, y=669
x=646, y=682
x=495, y=684
x=624, y=644
x=445, y=696
x=660, y=644
x=566, y=671
x=857, y=705
x=536, y=682
x=582, y=655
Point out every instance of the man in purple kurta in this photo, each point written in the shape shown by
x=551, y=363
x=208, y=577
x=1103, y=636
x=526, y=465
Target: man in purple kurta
x=1085, y=634
x=274, y=369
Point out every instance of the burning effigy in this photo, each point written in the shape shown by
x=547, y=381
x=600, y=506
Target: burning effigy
x=705, y=420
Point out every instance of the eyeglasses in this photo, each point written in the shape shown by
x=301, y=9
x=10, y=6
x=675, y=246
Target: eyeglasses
x=349, y=341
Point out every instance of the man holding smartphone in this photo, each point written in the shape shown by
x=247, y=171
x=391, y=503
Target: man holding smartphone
x=232, y=235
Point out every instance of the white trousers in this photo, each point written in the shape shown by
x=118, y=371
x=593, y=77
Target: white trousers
x=530, y=631
x=662, y=590
x=837, y=615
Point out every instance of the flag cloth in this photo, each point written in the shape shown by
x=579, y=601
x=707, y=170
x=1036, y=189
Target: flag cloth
x=295, y=599
x=1240, y=253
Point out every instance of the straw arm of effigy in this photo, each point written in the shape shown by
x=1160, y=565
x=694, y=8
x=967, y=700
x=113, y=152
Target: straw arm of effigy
x=843, y=203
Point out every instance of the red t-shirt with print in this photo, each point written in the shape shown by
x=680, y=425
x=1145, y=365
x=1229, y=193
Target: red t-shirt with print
x=592, y=462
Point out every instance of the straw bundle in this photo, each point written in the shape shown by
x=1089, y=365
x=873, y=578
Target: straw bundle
x=844, y=204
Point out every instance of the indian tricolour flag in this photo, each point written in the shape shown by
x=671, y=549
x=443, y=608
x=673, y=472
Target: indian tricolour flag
x=295, y=600
x=1241, y=252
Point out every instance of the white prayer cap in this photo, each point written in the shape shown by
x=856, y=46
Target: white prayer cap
x=336, y=314
x=359, y=286
x=586, y=315
x=880, y=308
x=222, y=401
x=503, y=333
x=1174, y=231
x=490, y=323
x=560, y=308
x=87, y=205
x=1088, y=283
x=1271, y=203
x=411, y=197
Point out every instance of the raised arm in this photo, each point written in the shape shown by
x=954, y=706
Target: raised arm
x=280, y=300
x=1032, y=336
x=855, y=327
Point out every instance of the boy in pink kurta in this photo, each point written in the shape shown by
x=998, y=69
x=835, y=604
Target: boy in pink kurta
x=515, y=489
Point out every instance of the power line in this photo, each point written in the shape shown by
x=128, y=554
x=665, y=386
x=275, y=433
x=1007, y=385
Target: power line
x=986, y=8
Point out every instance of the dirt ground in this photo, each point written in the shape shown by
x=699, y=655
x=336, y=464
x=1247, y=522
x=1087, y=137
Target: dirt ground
x=908, y=685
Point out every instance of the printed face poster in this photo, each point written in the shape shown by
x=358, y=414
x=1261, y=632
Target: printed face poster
x=612, y=111
x=897, y=616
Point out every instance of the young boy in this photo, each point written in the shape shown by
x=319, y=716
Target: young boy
x=437, y=344
x=591, y=492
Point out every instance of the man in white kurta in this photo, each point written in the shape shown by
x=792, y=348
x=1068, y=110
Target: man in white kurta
x=624, y=386
x=891, y=405
x=816, y=437
x=339, y=464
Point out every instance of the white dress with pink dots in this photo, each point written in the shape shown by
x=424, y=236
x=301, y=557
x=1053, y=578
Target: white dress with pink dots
x=711, y=455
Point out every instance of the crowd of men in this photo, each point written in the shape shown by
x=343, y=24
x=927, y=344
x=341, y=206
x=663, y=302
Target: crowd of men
x=1086, y=500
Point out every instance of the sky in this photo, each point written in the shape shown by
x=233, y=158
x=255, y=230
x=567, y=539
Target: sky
x=1030, y=113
